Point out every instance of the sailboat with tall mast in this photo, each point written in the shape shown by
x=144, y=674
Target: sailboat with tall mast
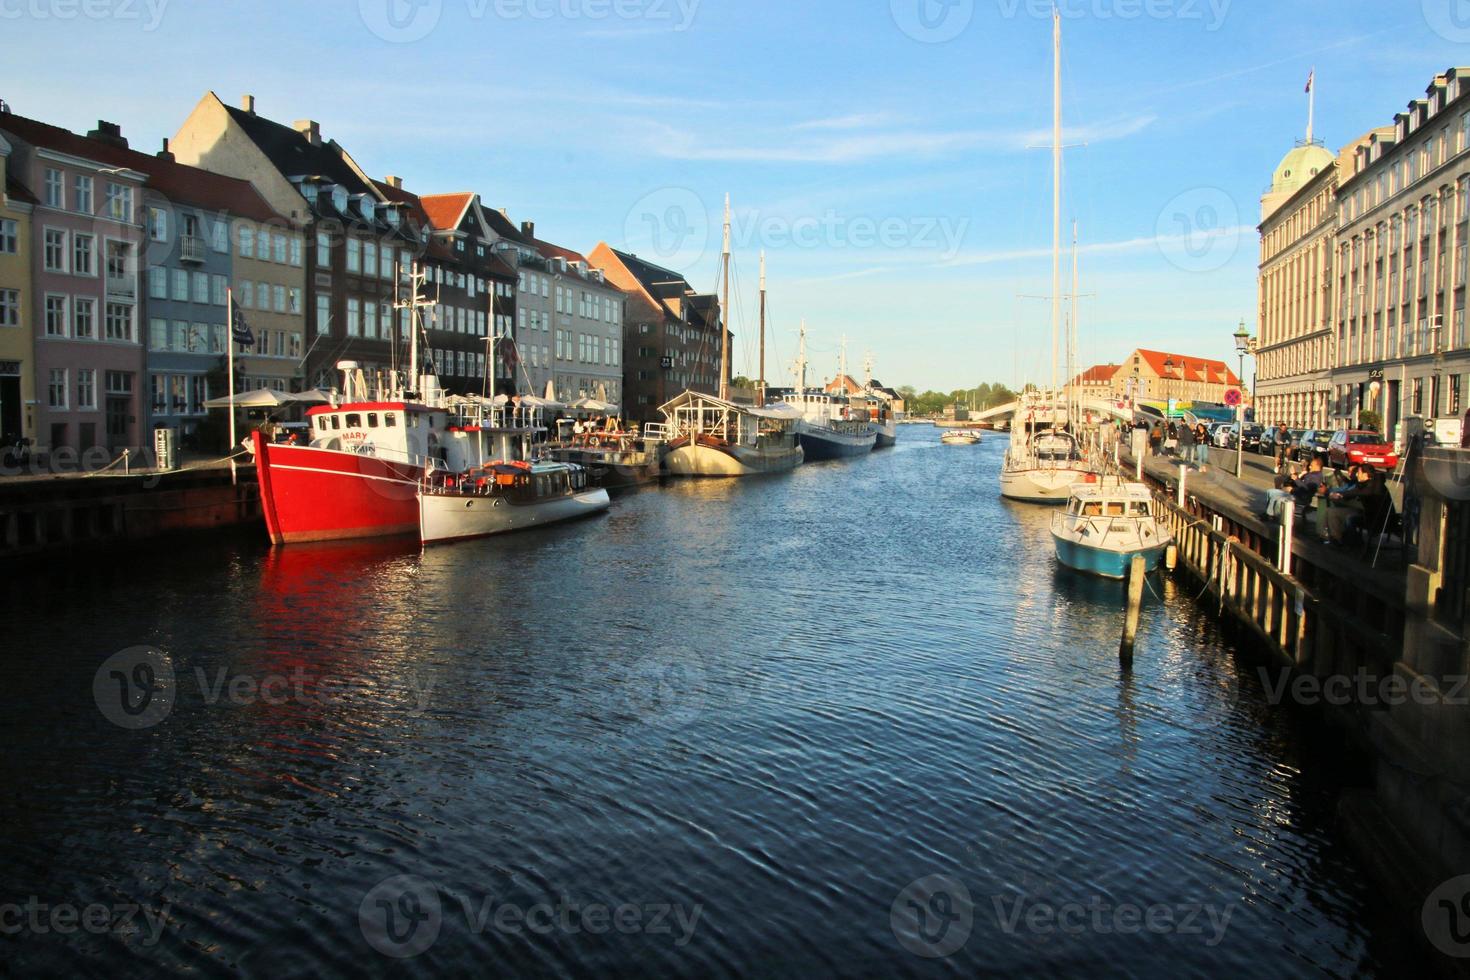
x=709, y=435
x=1042, y=463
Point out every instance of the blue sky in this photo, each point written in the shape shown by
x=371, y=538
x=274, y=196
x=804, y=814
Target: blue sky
x=882, y=152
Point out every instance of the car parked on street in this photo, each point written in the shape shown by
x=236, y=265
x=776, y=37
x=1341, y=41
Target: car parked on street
x=1312, y=442
x=1222, y=435
x=1350, y=447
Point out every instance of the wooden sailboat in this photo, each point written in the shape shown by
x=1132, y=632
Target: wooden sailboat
x=711, y=435
x=1043, y=462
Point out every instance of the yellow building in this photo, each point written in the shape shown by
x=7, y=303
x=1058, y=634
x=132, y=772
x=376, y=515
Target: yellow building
x=17, y=341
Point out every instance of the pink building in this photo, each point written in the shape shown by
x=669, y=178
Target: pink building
x=86, y=235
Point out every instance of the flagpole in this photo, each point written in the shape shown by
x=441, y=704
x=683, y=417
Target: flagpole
x=1311, y=103
x=230, y=373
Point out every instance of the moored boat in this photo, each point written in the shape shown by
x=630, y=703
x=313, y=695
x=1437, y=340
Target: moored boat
x=1105, y=526
x=708, y=436
x=960, y=437
x=504, y=496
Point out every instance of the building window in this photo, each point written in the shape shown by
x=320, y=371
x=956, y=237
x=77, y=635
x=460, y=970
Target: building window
x=9, y=237
x=56, y=389
x=219, y=236
x=354, y=256
x=158, y=224
x=81, y=255
x=55, y=189
x=323, y=250
x=82, y=194
x=179, y=338
x=217, y=338
x=118, y=254
x=323, y=314
x=119, y=322
x=201, y=287
x=86, y=388
x=354, y=317
x=218, y=286
x=369, y=258
x=295, y=256
x=245, y=295
x=84, y=318
x=278, y=248
x=54, y=250
x=157, y=282
x=9, y=307
x=278, y=296
x=119, y=202
x=181, y=285
x=294, y=300
x=56, y=316
x=157, y=334
x=370, y=319
x=247, y=242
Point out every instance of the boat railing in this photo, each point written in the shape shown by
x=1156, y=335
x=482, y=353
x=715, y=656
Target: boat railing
x=655, y=432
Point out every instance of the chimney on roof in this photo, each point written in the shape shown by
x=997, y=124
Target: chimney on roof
x=110, y=133
x=309, y=128
x=528, y=228
x=166, y=153
x=394, y=181
x=247, y=102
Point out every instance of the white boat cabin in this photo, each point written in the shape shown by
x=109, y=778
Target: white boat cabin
x=1096, y=500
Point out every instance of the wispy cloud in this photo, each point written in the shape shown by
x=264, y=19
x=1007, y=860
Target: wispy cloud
x=880, y=143
x=857, y=120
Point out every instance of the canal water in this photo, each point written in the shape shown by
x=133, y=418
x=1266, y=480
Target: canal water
x=851, y=720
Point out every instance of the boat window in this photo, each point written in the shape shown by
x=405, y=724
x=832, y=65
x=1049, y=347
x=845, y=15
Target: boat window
x=1114, y=508
x=1092, y=509
x=372, y=420
x=321, y=423
x=354, y=420
x=390, y=419
x=336, y=422
x=1138, y=509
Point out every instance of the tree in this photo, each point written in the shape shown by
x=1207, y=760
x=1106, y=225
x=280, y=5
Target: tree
x=1368, y=419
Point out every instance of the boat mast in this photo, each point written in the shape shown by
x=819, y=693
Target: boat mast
x=842, y=366
x=761, y=384
x=1056, y=201
x=725, y=311
x=1074, y=397
x=801, y=363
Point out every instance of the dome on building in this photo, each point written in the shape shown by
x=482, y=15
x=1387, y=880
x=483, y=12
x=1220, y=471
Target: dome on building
x=1300, y=166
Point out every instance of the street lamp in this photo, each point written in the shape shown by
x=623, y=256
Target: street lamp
x=1242, y=348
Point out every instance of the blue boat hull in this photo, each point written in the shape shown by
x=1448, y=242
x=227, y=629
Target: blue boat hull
x=1101, y=561
x=835, y=446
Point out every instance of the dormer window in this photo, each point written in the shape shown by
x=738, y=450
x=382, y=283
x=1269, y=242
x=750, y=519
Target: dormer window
x=339, y=198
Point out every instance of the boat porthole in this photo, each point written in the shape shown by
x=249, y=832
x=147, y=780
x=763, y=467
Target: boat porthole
x=497, y=503
x=468, y=504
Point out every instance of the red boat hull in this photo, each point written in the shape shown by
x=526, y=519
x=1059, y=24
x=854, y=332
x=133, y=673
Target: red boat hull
x=310, y=494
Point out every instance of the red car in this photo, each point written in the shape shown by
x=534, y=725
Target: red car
x=1349, y=447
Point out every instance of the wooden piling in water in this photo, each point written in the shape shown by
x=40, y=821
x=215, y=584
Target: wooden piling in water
x=1136, y=573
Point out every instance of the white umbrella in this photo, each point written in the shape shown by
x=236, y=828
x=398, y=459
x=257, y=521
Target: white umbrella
x=312, y=395
x=533, y=402
x=259, y=398
x=592, y=405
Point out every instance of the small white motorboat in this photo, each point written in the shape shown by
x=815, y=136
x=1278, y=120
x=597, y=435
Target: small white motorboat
x=507, y=496
x=960, y=437
x=1105, y=525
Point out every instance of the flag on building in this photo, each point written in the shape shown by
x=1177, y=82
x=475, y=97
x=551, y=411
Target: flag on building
x=239, y=329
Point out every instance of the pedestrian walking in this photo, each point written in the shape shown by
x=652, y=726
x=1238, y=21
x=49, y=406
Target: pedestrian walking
x=1202, y=446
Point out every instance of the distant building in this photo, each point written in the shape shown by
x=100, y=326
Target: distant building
x=1150, y=375
x=17, y=339
x=588, y=350
x=671, y=334
x=1097, y=381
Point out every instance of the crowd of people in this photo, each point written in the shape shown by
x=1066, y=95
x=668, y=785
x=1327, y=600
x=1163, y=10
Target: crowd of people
x=1349, y=508
x=1185, y=442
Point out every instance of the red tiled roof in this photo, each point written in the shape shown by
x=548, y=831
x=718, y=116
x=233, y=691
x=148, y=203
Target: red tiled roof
x=550, y=251
x=445, y=211
x=1189, y=368
x=1097, y=374
x=175, y=181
